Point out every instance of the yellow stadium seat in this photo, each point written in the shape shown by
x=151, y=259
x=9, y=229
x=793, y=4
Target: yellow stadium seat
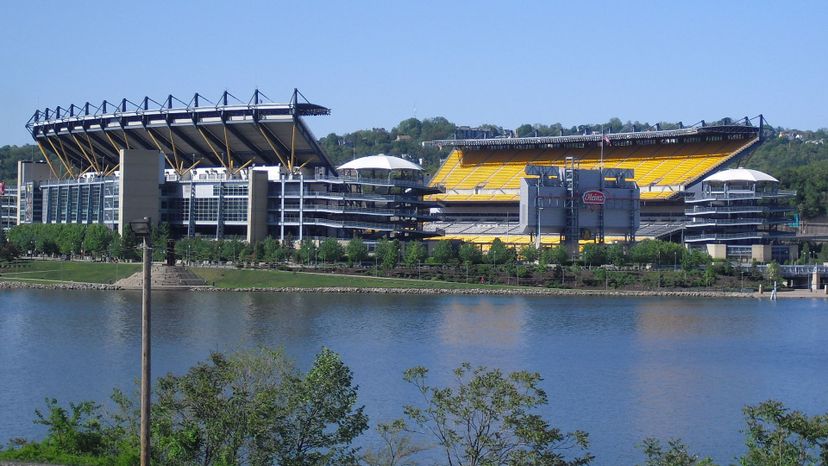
x=654, y=165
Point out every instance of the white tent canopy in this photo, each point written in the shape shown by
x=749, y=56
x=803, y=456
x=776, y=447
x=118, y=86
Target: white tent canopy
x=380, y=162
x=739, y=174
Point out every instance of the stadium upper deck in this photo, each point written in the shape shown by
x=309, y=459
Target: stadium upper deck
x=664, y=162
x=231, y=134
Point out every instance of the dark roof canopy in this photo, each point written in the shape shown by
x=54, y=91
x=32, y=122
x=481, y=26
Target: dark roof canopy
x=229, y=133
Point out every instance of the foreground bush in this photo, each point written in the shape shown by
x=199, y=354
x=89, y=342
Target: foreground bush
x=256, y=408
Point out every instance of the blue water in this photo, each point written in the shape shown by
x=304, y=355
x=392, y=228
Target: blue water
x=621, y=369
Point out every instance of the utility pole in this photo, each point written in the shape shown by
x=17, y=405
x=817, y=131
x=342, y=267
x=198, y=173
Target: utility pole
x=145, y=354
x=142, y=228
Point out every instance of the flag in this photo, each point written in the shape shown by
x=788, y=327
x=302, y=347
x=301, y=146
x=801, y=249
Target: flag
x=2, y=188
x=605, y=140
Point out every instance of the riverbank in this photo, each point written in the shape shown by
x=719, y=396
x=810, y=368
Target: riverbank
x=99, y=276
x=513, y=291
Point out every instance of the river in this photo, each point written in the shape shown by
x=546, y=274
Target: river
x=619, y=368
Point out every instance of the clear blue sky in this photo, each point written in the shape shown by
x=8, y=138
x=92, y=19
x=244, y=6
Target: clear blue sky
x=376, y=63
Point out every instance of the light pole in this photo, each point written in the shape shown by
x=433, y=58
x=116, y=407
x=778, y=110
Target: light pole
x=142, y=228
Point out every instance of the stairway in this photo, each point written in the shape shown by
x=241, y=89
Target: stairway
x=164, y=277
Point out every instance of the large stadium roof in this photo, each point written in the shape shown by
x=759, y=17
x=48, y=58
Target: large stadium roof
x=740, y=126
x=229, y=133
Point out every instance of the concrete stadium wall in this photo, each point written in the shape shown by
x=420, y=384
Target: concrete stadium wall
x=139, y=192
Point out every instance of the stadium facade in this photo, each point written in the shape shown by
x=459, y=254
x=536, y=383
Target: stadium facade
x=240, y=169
x=740, y=214
x=254, y=169
x=481, y=178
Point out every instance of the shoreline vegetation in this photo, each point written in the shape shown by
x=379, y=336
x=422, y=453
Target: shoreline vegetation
x=256, y=407
x=88, y=276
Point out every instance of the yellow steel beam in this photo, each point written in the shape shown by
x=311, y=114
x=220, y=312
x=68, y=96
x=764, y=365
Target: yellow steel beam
x=112, y=141
x=113, y=169
x=243, y=166
x=51, y=167
x=152, y=136
x=126, y=139
x=59, y=156
x=191, y=166
x=83, y=151
x=293, y=145
x=92, y=149
x=227, y=147
x=273, y=148
x=215, y=152
x=179, y=164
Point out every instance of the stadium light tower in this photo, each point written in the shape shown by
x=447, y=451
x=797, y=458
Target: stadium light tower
x=141, y=228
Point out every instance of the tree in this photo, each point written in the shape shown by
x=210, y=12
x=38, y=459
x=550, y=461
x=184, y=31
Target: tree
x=499, y=254
x=330, y=250
x=129, y=244
x=676, y=454
x=415, y=253
x=357, y=251
x=469, y=253
x=487, y=418
x=555, y=255
x=710, y=275
x=397, y=447
x=319, y=420
x=96, y=240
x=616, y=255
x=307, y=251
x=443, y=253
x=529, y=253
x=255, y=407
x=387, y=253
x=774, y=272
x=694, y=258
x=594, y=254
x=778, y=436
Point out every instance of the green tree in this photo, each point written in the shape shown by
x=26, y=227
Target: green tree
x=774, y=272
x=487, y=418
x=387, y=253
x=443, y=253
x=129, y=244
x=469, y=253
x=330, y=250
x=529, y=253
x=676, y=454
x=500, y=254
x=258, y=405
x=415, y=253
x=397, y=446
x=594, y=254
x=776, y=435
x=307, y=251
x=710, y=275
x=554, y=255
x=356, y=250
x=96, y=240
x=616, y=255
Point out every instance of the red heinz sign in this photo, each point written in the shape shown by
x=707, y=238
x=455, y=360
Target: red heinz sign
x=594, y=198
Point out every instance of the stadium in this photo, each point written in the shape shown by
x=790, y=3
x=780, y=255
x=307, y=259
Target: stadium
x=252, y=169
x=218, y=169
x=481, y=177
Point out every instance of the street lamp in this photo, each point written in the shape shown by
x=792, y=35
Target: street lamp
x=141, y=228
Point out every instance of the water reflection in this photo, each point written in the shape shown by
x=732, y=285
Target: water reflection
x=485, y=322
x=619, y=368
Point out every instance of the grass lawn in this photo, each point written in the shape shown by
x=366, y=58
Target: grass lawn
x=241, y=278
x=65, y=271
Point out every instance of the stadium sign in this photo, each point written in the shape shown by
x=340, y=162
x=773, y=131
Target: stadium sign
x=594, y=198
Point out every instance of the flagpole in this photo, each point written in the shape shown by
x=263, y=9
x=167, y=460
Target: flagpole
x=601, y=165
